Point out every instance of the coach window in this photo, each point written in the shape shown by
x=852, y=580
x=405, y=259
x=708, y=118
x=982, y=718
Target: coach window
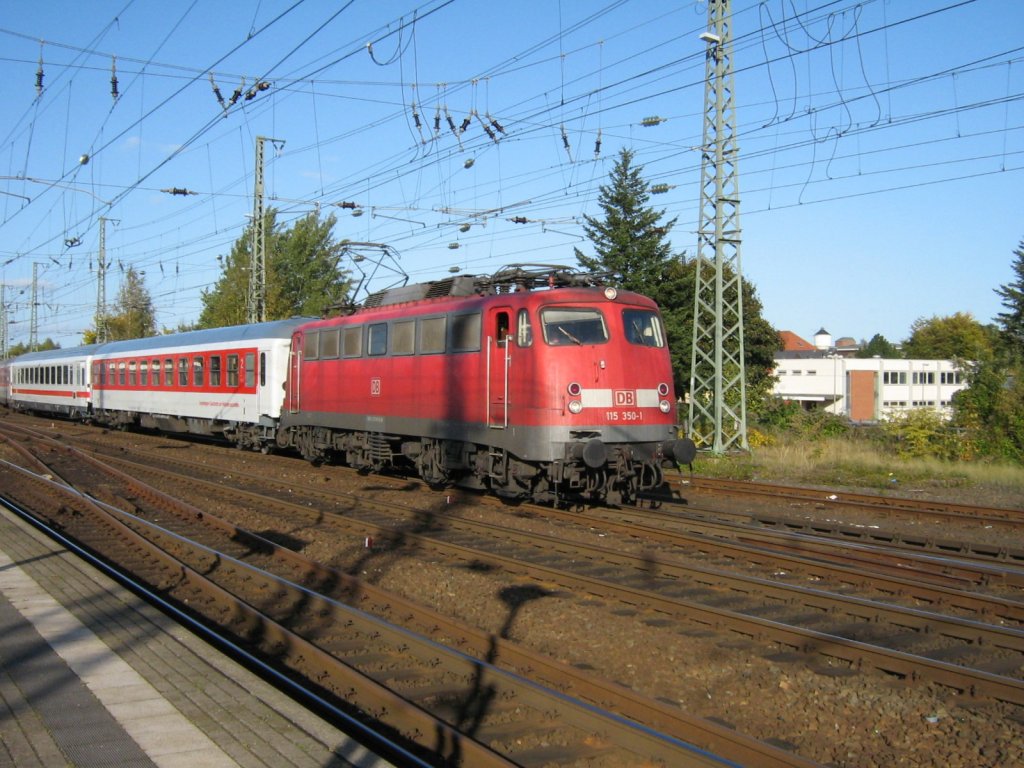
x=144, y=373
x=250, y=369
x=263, y=369
x=329, y=344
x=564, y=327
x=156, y=372
x=377, y=339
x=524, y=329
x=111, y=374
x=214, y=370
x=642, y=327
x=182, y=371
x=132, y=365
x=353, y=342
x=168, y=372
x=232, y=370
x=122, y=369
x=311, y=345
x=403, y=337
x=197, y=371
x=465, y=333
x=432, y=333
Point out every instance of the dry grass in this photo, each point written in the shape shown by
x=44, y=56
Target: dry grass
x=861, y=464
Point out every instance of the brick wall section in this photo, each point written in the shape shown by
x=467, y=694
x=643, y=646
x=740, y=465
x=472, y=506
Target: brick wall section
x=863, y=391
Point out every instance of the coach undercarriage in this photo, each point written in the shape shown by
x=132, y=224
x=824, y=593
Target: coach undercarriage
x=616, y=478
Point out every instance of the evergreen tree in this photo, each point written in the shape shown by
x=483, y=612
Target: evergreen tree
x=1011, y=322
x=631, y=244
x=302, y=273
x=630, y=240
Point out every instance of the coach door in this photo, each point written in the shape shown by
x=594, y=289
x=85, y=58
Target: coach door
x=293, y=374
x=499, y=351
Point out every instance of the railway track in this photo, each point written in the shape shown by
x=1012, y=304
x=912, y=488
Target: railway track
x=895, y=505
x=965, y=654
x=481, y=712
x=443, y=530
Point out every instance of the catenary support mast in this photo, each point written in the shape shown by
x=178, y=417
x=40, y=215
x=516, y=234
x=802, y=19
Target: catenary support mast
x=718, y=395
x=256, y=303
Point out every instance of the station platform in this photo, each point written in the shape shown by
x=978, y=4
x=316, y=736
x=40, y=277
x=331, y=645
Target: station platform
x=92, y=675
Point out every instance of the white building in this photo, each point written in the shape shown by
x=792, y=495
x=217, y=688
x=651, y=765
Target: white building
x=825, y=376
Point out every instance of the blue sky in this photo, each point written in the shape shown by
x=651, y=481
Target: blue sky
x=881, y=142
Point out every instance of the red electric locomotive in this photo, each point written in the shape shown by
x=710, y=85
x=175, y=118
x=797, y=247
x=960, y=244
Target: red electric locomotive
x=534, y=383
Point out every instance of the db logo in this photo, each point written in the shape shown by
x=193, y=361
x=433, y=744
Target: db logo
x=374, y=387
x=625, y=397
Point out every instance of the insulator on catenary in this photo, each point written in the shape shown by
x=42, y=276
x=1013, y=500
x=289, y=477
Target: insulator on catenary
x=597, y=144
x=217, y=93
x=113, y=78
x=487, y=129
x=179, y=191
x=237, y=94
x=519, y=220
x=465, y=123
x=437, y=120
x=565, y=143
x=39, y=73
x=262, y=85
x=497, y=126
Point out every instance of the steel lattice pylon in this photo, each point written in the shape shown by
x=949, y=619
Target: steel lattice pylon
x=256, y=300
x=718, y=389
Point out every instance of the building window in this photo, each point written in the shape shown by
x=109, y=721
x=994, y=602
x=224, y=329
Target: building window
x=894, y=377
x=924, y=377
x=950, y=377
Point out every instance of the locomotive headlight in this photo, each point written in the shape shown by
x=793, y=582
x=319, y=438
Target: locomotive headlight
x=610, y=293
x=663, y=389
x=574, y=390
x=575, y=406
x=665, y=406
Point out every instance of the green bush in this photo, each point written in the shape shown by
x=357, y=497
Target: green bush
x=921, y=433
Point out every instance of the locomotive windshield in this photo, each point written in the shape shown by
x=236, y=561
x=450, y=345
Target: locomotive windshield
x=563, y=327
x=643, y=328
